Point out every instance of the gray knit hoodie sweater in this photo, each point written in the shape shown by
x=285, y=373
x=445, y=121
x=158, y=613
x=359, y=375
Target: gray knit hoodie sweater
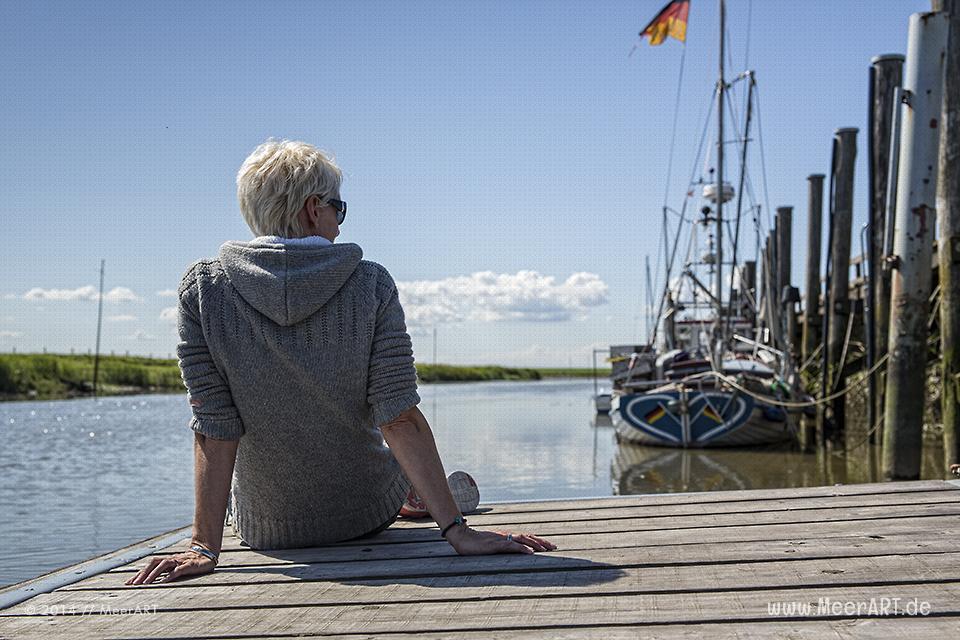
x=300, y=353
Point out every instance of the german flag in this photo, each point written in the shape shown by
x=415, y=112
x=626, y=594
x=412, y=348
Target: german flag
x=671, y=21
x=655, y=415
x=710, y=413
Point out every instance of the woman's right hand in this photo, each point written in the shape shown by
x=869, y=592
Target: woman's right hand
x=164, y=568
x=470, y=542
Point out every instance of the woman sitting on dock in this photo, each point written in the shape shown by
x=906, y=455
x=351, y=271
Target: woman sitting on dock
x=299, y=368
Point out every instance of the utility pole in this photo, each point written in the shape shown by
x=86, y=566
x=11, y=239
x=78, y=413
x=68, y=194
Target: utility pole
x=96, y=358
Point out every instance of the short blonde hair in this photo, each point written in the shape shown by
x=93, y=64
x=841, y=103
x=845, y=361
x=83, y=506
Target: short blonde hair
x=277, y=178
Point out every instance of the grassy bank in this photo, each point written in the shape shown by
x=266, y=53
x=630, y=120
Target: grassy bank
x=36, y=376
x=454, y=373
x=50, y=376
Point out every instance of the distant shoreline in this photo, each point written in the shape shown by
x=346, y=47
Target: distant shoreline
x=46, y=376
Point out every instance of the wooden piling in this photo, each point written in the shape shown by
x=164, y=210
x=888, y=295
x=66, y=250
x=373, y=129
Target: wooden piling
x=811, y=311
x=748, y=284
x=887, y=75
x=773, y=306
x=788, y=317
x=839, y=307
x=913, y=243
x=948, y=252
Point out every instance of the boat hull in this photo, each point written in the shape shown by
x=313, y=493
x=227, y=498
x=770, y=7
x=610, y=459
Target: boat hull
x=712, y=418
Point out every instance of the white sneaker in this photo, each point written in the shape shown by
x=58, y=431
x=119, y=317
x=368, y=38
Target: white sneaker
x=465, y=493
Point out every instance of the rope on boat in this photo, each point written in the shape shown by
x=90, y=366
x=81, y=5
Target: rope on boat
x=784, y=403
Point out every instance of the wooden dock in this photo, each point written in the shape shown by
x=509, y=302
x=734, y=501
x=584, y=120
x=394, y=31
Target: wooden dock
x=691, y=565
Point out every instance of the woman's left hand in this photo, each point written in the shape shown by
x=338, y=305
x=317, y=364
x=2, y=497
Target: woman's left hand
x=187, y=563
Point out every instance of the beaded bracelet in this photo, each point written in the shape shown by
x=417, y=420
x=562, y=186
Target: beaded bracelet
x=457, y=520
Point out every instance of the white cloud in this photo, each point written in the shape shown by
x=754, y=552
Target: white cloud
x=10, y=334
x=487, y=297
x=120, y=294
x=168, y=314
x=117, y=294
x=167, y=293
x=121, y=318
x=9, y=296
x=140, y=335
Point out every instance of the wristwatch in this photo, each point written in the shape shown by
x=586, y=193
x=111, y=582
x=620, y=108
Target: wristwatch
x=206, y=552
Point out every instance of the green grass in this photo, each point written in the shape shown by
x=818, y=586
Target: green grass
x=451, y=373
x=477, y=373
x=573, y=373
x=50, y=376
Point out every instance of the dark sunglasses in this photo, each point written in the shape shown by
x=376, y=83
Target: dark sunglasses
x=340, y=206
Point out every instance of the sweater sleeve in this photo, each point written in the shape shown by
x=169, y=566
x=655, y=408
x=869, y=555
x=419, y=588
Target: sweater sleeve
x=214, y=413
x=391, y=377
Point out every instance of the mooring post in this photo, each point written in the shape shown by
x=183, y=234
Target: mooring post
x=762, y=293
x=749, y=284
x=912, y=249
x=773, y=282
x=811, y=310
x=886, y=75
x=789, y=318
x=948, y=244
x=839, y=303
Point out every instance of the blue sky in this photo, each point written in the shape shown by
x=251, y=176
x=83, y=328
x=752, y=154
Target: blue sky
x=515, y=140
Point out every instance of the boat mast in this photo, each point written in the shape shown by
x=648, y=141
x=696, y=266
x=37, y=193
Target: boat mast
x=721, y=87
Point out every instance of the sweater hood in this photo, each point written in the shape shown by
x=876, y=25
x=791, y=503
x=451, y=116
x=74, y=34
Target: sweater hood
x=288, y=283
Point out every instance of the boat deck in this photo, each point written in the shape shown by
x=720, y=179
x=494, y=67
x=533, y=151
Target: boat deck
x=688, y=565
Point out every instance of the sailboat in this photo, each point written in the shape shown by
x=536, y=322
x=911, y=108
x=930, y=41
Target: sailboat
x=716, y=370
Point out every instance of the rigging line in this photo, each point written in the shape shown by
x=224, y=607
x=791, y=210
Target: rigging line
x=746, y=49
x=763, y=160
x=683, y=210
x=746, y=53
x=673, y=134
x=735, y=383
x=673, y=143
x=743, y=171
x=729, y=49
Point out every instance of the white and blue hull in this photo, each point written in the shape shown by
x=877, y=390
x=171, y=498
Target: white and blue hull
x=709, y=418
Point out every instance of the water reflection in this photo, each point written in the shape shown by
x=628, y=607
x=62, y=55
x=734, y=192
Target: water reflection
x=637, y=469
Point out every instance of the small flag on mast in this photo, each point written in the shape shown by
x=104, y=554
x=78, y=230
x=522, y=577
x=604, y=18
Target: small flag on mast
x=671, y=21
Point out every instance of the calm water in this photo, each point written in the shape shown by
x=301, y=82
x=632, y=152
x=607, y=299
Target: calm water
x=79, y=478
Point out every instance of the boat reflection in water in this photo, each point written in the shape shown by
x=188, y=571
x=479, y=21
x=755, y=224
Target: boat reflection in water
x=640, y=469
x=637, y=469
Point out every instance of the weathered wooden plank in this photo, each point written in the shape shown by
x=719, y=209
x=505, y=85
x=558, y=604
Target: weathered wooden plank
x=871, y=570
x=714, y=529
x=712, y=497
x=640, y=523
x=863, y=629
x=495, y=518
x=699, y=497
x=860, y=542
x=500, y=615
